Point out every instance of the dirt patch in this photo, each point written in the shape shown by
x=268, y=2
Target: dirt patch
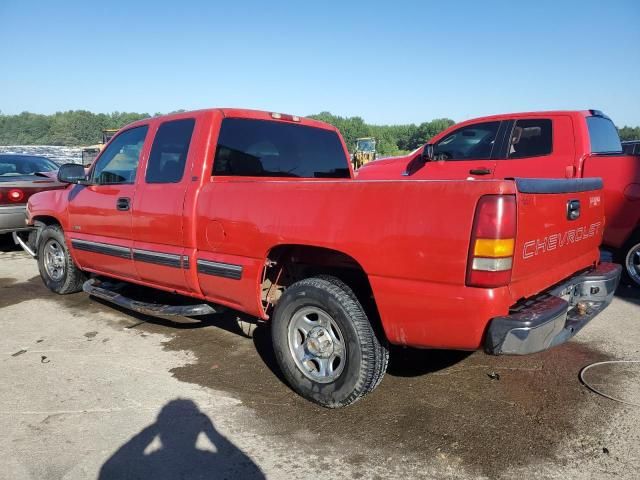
x=436, y=405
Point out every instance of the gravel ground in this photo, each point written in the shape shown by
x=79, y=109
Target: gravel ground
x=89, y=391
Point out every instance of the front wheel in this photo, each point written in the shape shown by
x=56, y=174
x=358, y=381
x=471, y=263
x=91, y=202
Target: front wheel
x=324, y=343
x=57, y=269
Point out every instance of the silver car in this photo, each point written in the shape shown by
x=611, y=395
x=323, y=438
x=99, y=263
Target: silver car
x=20, y=177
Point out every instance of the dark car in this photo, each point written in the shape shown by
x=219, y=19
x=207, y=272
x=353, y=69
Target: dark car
x=631, y=147
x=20, y=177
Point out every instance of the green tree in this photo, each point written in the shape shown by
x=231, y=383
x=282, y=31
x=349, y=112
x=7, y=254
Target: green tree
x=629, y=133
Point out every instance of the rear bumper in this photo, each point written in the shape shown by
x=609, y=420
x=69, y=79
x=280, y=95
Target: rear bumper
x=12, y=218
x=556, y=316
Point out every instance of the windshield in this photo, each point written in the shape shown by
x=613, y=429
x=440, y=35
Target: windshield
x=20, y=165
x=366, y=145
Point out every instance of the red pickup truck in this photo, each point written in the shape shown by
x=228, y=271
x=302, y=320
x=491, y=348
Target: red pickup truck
x=260, y=212
x=570, y=144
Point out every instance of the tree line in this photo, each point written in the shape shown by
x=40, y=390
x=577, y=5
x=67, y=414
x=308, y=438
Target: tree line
x=80, y=128
x=72, y=128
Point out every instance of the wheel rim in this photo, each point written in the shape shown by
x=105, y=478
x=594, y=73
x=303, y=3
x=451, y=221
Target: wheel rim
x=633, y=263
x=317, y=345
x=54, y=260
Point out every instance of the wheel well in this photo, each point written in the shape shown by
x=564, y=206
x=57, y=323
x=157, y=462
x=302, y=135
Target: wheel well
x=286, y=264
x=46, y=220
x=40, y=222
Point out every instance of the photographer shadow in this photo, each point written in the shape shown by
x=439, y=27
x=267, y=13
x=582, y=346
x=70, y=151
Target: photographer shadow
x=167, y=449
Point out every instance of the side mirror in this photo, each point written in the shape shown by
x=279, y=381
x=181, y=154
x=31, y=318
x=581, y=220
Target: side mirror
x=71, y=173
x=427, y=153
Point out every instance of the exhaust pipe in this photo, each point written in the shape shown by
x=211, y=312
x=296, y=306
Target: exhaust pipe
x=23, y=244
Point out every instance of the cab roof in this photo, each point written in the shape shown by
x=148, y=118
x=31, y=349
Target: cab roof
x=236, y=113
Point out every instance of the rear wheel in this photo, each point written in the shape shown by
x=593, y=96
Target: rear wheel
x=57, y=269
x=325, y=344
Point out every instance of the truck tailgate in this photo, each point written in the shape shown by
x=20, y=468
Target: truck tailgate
x=560, y=227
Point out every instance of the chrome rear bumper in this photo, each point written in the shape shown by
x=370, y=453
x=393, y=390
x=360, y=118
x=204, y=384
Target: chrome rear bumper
x=556, y=316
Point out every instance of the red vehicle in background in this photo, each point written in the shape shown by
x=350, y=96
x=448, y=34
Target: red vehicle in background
x=565, y=144
x=260, y=212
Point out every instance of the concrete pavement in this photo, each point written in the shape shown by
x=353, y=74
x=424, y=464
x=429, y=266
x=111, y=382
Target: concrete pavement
x=88, y=391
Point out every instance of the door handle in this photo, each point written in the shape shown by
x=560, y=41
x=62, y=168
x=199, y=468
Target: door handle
x=479, y=171
x=123, y=204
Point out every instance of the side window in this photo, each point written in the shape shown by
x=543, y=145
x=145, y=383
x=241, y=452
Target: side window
x=473, y=142
x=169, y=151
x=531, y=138
x=119, y=162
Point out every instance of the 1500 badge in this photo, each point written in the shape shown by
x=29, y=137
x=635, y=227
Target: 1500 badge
x=559, y=240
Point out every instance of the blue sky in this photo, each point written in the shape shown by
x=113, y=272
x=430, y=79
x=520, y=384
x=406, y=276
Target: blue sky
x=392, y=62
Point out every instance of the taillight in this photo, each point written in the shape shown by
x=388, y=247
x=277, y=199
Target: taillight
x=12, y=196
x=15, y=195
x=492, y=242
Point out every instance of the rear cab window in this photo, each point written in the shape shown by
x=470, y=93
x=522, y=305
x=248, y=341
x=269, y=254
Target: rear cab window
x=169, y=151
x=603, y=135
x=531, y=138
x=265, y=148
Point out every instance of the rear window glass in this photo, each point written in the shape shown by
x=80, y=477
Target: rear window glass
x=169, y=151
x=17, y=165
x=603, y=135
x=263, y=148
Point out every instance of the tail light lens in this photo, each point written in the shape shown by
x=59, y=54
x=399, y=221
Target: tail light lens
x=492, y=242
x=15, y=195
x=20, y=196
x=12, y=196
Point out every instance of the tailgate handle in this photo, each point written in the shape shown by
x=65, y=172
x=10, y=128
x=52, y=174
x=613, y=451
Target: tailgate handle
x=123, y=204
x=479, y=171
x=573, y=209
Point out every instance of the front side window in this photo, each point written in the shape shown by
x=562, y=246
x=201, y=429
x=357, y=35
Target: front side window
x=119, y=162
x=169, y=151
x=264, y=148
x=531, y=138
x=473, y=142
x=603, y=135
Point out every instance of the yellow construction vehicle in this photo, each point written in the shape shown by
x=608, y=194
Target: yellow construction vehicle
x=365, y=151
x=89, y=154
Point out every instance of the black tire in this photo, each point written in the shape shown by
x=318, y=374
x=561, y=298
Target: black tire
x=630, y=248
x=366, y=356
x=71, y=277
